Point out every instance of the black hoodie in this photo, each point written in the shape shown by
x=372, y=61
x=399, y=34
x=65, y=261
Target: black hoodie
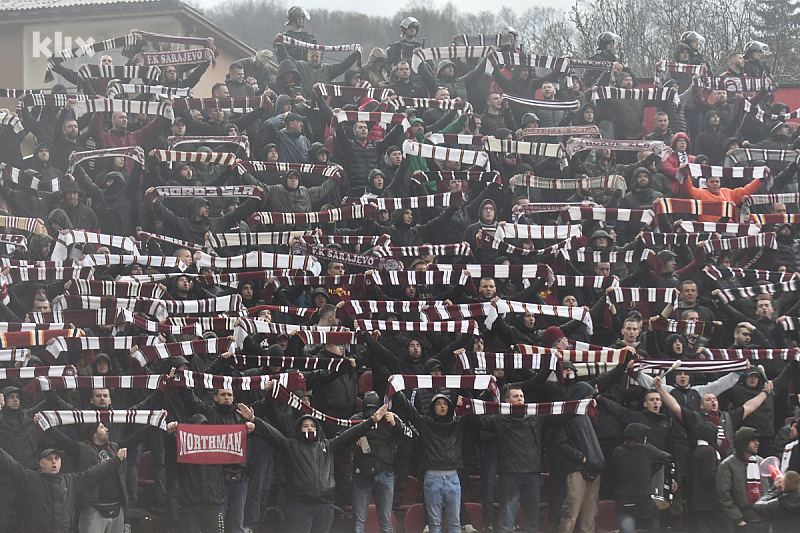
x=441, y=437
x=702, y=495
x=632, y=466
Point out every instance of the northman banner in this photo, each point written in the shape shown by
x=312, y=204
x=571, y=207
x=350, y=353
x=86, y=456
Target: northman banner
x=212, y=445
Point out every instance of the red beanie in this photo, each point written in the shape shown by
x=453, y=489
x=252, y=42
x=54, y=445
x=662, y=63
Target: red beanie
x=551, y=336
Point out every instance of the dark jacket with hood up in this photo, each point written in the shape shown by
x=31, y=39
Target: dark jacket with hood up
x=193, y=230
x=732, y=489
x=637, y=198
x=115, y=203
x=441, y=437
x=711, y=141
x=632, y=465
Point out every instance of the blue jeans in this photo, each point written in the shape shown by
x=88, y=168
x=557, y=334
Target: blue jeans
x=519, y=490
x=309, y=517
x=235, y=498
x=381, y=487
x=649, y=517
x=260, y=465
x=443, y=490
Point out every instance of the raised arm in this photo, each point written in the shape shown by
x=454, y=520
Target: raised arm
x=671, y=403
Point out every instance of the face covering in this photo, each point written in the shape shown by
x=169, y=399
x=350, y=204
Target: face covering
x=569, y=379
x=310, y=436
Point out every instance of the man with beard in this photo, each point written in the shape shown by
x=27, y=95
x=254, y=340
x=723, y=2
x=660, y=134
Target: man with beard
x=739, y=484
x=641, y=197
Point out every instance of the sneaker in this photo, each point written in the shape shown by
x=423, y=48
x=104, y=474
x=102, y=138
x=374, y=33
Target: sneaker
x=469, y=529
x=127, y=528
x=426, y=529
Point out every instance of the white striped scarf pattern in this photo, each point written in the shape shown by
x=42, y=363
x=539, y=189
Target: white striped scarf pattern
x=775, y=218
x=678, y=239
x=372, y=240
x=534, y=231
x=741, y=230
x=486, y=39
x=172, y=240
x=206, y=323
x=733, y=365
x=78, y=51
x=785, y=354
x=239, y=140
x=31, y=225
x=491, y=310
x=450, y=52
x=52, y=100
x=510, y=249
x=151, y=326
x=524, y=148
x=480, y=407
x=596, y=355
x=401, y=382
x=607, y=214
x=7, y=327
x=251, y=326
x=598, y=182
x=116, y=288
x=70, y=237
x=304, y=312
x=130, y=152
x=329, y=89
x=584, y=256
x=367, y=307
x=431, y=103
x=642, y=294
x=716, y=273
x=411, y=277
x=653, y=94
x=64, y=344
x=579, y=144
x=353, y=212
x=240, y=104
x=761, y=199
x=455, y=138
x=146, y=354
x=366, y=116
x=333, y=364
x=558, y=64
x=761, y=240
x=733, y=84
x=225, y=240
x=109, y=105
x=543, y=104
x=453, y=326
x=418, y=251
x=497, y=271
x=25, y=180
x=673, y=66
x=15, y=355
x=47, y=383
x=88, y=71
x=261, y=260
x=571, y=131
x=692, y=327
x=430, y=151
x=30, y=372
x=761, y=154
x=541, y=207
x=328, y=337
x=157, y=261
x=694, y=207
x=285, y=39
x=790, y=323
x=728, y=295
x=117, y=88
x=155, y=418
x=412, y=202
x=708, y=171
x=220, y=158
x=762, y=116
x=490, y=361
x=78, y=317
x=228, y=303
x=263, y=166
x=36, y=273
x=156, y=308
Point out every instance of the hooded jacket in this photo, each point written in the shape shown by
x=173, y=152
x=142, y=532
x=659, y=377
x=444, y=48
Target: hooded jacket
x=684, y=79
x=782, y=509
x=323, y=73
x=310, y=463
x=192, y=230
x=731, y=486
x=762, y=419
x=372, y=71
x=382, y=441
x=115, y=209
x=703, y=468
x=632, y=465
x=711, y=141
x=637, y=198
x=292, y=146
x=456, y=85
x=18, y=434
x=671, y=165
x=279, y=85
x=788, y=248
x=441, y=437
x=282, y=199
x=575, y=439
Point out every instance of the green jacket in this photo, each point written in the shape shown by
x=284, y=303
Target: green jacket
x=732, y=490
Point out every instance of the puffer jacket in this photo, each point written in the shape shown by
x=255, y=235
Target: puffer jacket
x=310, y=463
x=781, y=508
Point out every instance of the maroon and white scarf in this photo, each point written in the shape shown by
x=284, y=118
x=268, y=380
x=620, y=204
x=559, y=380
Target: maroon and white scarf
x=154, y=352
x=26, y=181
x=175, y=57
x=155, y=418
x=261, y=260
x=358, y=308
x=12, y=121
x=303, y=312
x=685, y=206
x=371, y=240
x=491, y=310
x=535, y=231
x=588, y=282
x=579, y=144
x=463, y=175
x=221, y=304
x=479, y=49
x=283, y=394
x=479, y=407
x=606, y=214
x=52, y=100
x=30, y=372
x=761, y=199
x=87, y=49
x=556, y=105
x=264, y=166
x=206, y=323
x=374, y=117
x=597, y=182
x=455, y=138
x=205, y=191
x=486, y=39
x=400, y=382
x=232, y=279
x=197, y=380
x=31, y=225
x=676, y=239
x=430, y=103
x=285, y=39
x=355, y=283
x=733, y=84
x=728, y=295
x=108, y=105
x=785, y=355
x=6, y=327
x=115, y=288
x=251, y=326
x=172, y=240
x=790, y=323
x=329, y=89
x=380, y=263
x=653, y=94
x=642, y=294
x=412, y=202
x=106, y=344
x=708, y=171
x=70, y=237
x=741, y=230
x=157, y=261
x=220, y=158
x=454, y=326
x=585, y=256
x=753, y=478
x=490, y=361
x=78, y=317
x=733, y=365
x=430, y=151
x=761, y=154
x=151, y=326
x=15, y=355
x=509, y=249
x=596, y=354
x=762, y=240
x=571, y=131
x=717, y=273
x=36, y=273
x=673, y=66
x=240, y=104
x=512, y=59
x=225, y=240
x=540, y=207
x=117, y=88
x=150, y=382
x=354, y=212
x=239, y=140
x=333, y=364
x=525, y=148
x=18, y=93
x=87, y=71
x=205, y=42
x=762, y=116
x=328, y=337
x=693, y=327
x=156, y=308
x=134, y=153
x=497, y=271
x=775, y=218
x=427, y=277
x=460, y=249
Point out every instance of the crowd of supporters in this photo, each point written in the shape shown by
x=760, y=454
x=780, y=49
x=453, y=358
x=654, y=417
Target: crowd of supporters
x=557, y=316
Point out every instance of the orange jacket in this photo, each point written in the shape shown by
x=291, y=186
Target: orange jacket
x=734, y=196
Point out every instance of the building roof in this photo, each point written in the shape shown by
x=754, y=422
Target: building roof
x=24, y=5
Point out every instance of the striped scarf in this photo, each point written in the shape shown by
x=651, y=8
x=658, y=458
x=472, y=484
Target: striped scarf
x=197, y=380
x=427, y=277
x=753, y=479
x=594, y=64
x=175, y=57
x=284, y=395
x=240, y=104
x=30, y=372
x=328, y=337
x=157, y=261
x=479, y=407
x=509, y=249
x=6, y=327
x=69, y=237
x=225, y=240
x=728, y=295
x=145, y=236
x=155, y=418
x=606, y=214
x=115, y=288
x=401, y=382
x=27, y=181
x=734, y=365
x=12, y=121
x=741, y=230
x=762, y=116
x=35, y=273
x=251, y=326
x=147, y=354
x=491, y=39
x=673, y=66
x=790, y=323
x=381, y=263
x=302, y=312
x=474, y=51
x=762, y=240
x=431, y=103
x=717, y=273
x=358, y=308
x=285, y=39
x=221, y=304
x=151, y=326
x=86, y=49
x=79, y=317
x=353, y=283
x=576, y=145
x=371, y=240
x=327, y=89
x=148, y=306
x=761, y=154
x=541, y=207
x=678, y=326
x=785, y=355
x=206, y=323
x=333, y=364
x=524, y=148
x=455, y=138
x=653, y=94
x=374, y=117
x=491, y=310
x=585, y=256
x=18, y=93
x=260, y=260
x=413, y=202
x=775, y=218
x=206, y=191
x=461, y=249
x=642, y=294
x=733, y=84
x=694, y=207
x=533, y=231
x=52, y=100
x=555, y=105
x=708, y=171
x=21, y=339
x=220, y=158
x=264, y=166
x=205, y=42
x=354, y=212
x=239, y=140
x=430, y=151
x=598, y=182
x=497, y=271
x=109, y=105
x=456, y=326
x=675, y=239
x=761, y=199
x=15, y=355
x=31, y=225
x=151, y=382
x=490, y=361
x=568, y=131
x=588, y=282
x=87, y=71
x=117, y=88
x=595, y=354
x=463, y=175
x=130, y=152
x=513, y=59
